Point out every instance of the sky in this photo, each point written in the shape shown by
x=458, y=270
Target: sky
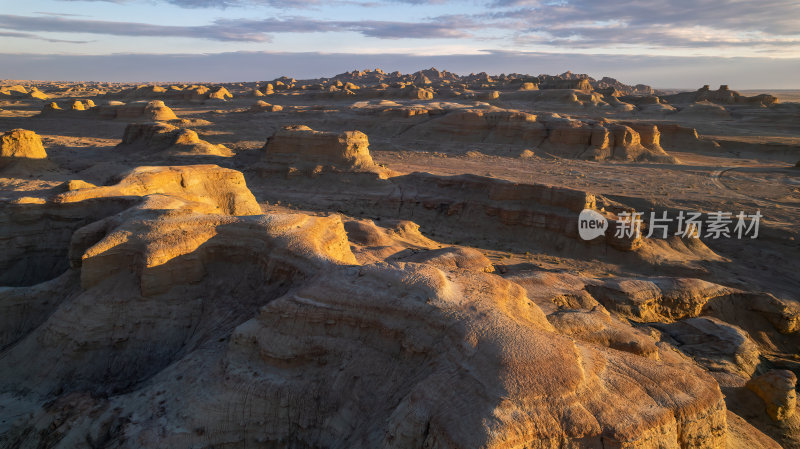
x=665, y=43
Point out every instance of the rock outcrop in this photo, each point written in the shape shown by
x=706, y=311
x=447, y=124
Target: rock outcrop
x=718, y=346
x=168, y=140
x=209, y=188
x=682, y=138
x=571, y=100
x=154, y=110
x=20, y=145
x=657, y=299
x=37, y=94
x=41, y=230
x=723, y=95
x=483, y=126
x=77, y=108
x=777, y=389
x=14, y=91
x=559, y=135
x=263, y=106
x=704, y=109
x=51, y=108
x=559, y=83
x=597, y=326
x=220, y=94
x=304, y=149
x=192, y=93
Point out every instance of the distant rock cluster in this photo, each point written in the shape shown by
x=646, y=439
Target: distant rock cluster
x=154, y=110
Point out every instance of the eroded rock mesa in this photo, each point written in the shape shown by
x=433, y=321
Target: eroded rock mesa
x=302, y=148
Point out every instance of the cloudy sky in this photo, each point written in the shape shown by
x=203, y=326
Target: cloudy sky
x=665, y=43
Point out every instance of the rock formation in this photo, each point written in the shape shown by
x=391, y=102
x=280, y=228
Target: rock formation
x=558, y=83
x=166, y=139
x=14, y=91
x=192, y=93
x=37, y=94
x=438, y=296
x=777, y=389
x=723, y=95
x=263, y=106
x=20, y=144
x=705, y=109
x=220, y=94
x=681, y=138
x=718, y=346
x=293, y=316
x=559, y=135
x=303, y=148
x=43, y=230
x=154, y=110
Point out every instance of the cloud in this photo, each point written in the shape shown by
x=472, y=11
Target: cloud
x=655, y=37
x=59, y=14
x=247, y=30
x=655, y=23
x=33, y=36
x=64, y=25
x=439, y=27
x=281, y=4
x=221, y=4
x=770, y=27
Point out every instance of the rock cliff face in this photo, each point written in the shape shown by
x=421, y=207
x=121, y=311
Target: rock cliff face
x=505, y=213
x=501, y=212
x=682, y=138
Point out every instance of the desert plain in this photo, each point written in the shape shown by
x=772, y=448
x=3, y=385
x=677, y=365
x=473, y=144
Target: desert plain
x=388, y=260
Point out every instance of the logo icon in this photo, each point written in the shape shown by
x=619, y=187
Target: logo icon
x=591, y=224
